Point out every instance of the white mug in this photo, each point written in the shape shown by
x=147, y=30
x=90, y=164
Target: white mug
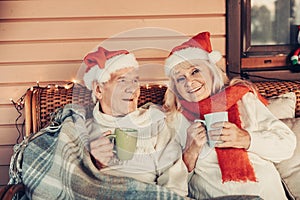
x=210, y=119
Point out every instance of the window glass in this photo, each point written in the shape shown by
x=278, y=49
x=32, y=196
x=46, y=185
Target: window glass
x=274, y=22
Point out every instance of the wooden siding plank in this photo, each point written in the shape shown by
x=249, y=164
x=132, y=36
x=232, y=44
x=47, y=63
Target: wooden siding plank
x=6, y=152
x=95, y=8
x=4, y=176
x=71, y=51
x=8, y=135
x=36, y=72
x=9, y=115
x=83, y=29
x=11, y=92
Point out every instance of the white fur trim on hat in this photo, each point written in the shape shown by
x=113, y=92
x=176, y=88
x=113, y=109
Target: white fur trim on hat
x=190, y=53
x=113, y=64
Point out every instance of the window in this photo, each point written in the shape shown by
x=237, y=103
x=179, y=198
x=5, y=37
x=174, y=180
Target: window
x=267, y=32
x=271, y=27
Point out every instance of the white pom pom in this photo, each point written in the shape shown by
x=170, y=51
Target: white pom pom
x=90, y=76
x=214, y=56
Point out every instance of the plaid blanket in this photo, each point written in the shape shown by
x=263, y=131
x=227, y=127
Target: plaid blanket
x=56, y=164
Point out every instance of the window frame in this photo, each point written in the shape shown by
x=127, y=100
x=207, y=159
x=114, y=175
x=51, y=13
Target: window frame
x=244, y=60
x=256, y=50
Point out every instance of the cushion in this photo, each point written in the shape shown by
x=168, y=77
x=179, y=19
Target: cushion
x=283, y=106
x=290, y=169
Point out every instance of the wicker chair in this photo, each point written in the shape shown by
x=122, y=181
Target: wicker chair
x=40, y=102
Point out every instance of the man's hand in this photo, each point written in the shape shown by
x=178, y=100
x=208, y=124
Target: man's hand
x=102, y=149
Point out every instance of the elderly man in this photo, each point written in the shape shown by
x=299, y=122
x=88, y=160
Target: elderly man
x=73, y=157
x=113, y=78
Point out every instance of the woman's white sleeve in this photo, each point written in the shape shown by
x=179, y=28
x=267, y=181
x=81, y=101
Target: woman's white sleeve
x=271, y=139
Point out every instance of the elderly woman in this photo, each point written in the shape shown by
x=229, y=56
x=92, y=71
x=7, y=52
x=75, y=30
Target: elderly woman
x=113, y=78
x=241, y=162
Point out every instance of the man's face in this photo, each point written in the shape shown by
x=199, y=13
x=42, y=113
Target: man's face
x=119, y=96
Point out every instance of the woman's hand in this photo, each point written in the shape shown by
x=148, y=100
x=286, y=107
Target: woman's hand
x=231, y=136
x=196, y=138
x=102, y=149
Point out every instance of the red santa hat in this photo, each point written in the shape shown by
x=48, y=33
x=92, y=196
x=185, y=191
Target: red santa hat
x=100, y=64
x=198, y=47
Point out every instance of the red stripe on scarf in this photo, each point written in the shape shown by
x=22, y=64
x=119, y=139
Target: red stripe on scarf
x=234, y=162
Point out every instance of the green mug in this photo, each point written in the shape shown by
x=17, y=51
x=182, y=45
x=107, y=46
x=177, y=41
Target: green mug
x=125, y=140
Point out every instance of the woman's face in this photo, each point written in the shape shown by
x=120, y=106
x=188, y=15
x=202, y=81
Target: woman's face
x=193, y=82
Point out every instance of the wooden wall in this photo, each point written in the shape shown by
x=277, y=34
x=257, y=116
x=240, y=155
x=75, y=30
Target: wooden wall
x=45, y=41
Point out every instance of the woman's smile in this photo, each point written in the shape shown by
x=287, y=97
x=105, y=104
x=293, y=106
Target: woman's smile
x=196, y=89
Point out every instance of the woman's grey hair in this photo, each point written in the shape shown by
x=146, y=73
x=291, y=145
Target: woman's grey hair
x=219, y=79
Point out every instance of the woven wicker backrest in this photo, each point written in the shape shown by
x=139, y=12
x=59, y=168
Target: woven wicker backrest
x=40, y=102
